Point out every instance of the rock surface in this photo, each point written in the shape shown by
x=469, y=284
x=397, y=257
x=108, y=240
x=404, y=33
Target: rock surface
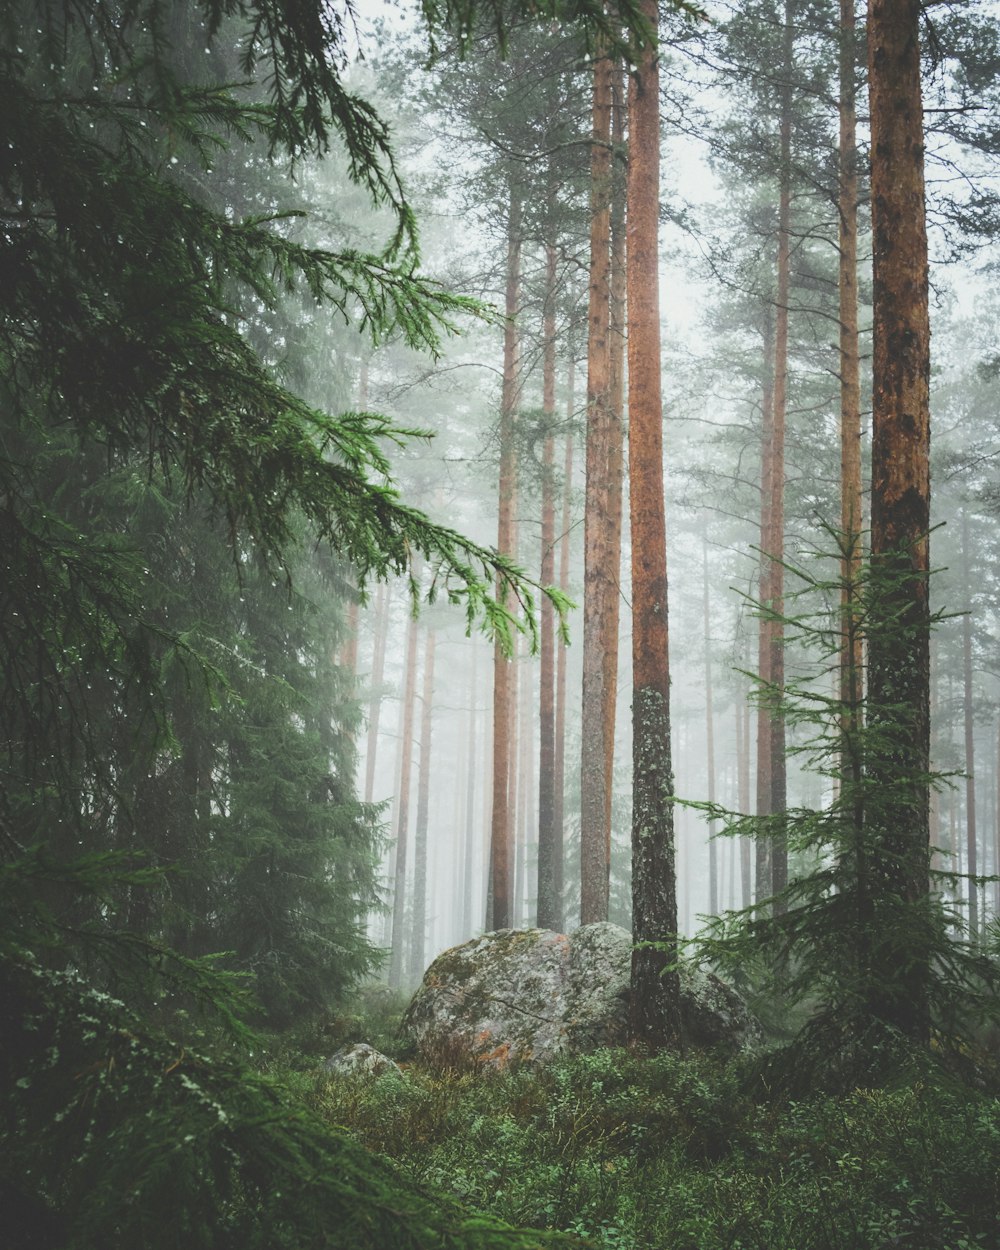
x=360, y=1060
x=530, y=995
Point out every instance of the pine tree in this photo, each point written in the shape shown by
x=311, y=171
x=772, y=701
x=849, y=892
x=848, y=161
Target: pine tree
x=654, y=1010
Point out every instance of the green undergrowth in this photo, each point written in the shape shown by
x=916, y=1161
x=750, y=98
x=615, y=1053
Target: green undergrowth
x=674, y=1154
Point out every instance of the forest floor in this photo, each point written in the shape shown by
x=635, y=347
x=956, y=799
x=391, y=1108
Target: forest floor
x=680, y=1152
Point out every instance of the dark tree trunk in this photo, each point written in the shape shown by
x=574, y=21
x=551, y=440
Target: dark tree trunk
x=850, y=387
x=654, y=1017
x=899, y=654
x=776, y=545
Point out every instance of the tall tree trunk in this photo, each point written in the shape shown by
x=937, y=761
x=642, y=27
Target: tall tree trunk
x=971, y=842
x=850, y=386
x=899, y=654
x=654, y=1015
x=468, y=840
x=763, y=795
x=776, y=546
x=418, y=945
x=616, y=431
x=743, y=793
x=598, y=579
x=529, y=791
x=713, y=848
x=548, y=910
x=559, y=770
x=502, y=817
x=349, y=647
x=403, y=806
x=996, y=832
x=383, y=598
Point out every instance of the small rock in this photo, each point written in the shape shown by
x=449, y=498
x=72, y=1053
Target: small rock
x=360, y=1060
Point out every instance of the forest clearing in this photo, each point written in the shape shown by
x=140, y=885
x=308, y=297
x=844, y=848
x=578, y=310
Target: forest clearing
x=500, y=707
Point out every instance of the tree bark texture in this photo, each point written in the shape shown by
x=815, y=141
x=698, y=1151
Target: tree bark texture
x=971, y=841
x=383, y=598
x=599, y=579
x=776, y=544
x=469, y=840
x=616, y=428
x=851, y=518
x=713, y=847
x=548, y=910
x=899, y=655
x=763, y=780
x=502, y=818
x=654, y=1017
x=559, y=771
x=419, y=940
x=403, y=806
x=743, y=801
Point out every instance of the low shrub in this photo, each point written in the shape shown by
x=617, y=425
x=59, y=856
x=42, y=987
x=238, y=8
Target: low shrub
x=671, y=1153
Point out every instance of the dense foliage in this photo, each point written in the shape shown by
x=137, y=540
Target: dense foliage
x=180, y=533
x=681, y=1154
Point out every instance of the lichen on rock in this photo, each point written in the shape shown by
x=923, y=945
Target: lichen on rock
x=532, y=995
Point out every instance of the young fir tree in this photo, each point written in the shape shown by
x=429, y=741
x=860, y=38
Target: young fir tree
x=826, y=948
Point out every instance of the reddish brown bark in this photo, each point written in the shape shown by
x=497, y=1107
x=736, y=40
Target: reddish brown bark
x=499, y=913
x=598, y=578
x=850, y=388
x=899, y=656
x=776, y=545
x=548, y=911
x=469, y=902
x=654, y=1016
x=616, y=432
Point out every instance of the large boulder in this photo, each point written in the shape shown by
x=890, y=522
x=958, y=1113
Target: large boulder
x=530, y=995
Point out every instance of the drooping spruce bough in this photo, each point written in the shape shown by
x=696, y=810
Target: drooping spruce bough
x=133, y=385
